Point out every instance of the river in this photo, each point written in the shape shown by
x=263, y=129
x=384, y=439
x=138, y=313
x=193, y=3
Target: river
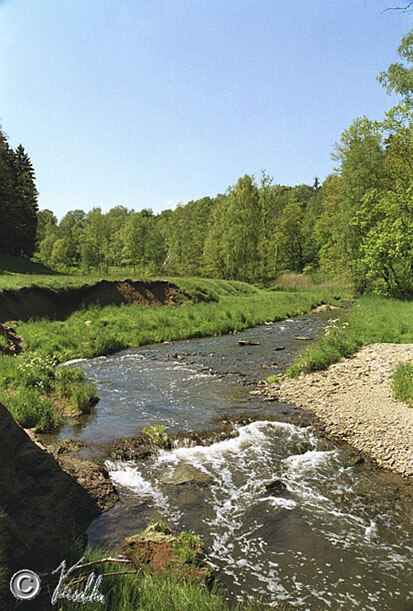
x=286, y=516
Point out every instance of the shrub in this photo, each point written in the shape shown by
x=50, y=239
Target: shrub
x=84, y=396
x=402, y=383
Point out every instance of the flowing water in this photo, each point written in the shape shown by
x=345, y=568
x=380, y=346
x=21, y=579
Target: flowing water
x=285, y=516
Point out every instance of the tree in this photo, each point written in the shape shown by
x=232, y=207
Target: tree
x=213, y=260
x=187, y=229
x=241, y=224
x=45, y=246
x=60, y=258
x=44, y=217
x=7, y=234
x=398, y=78
x=18, y=201
x=290, y=239
x=71, y=229
x=143, y=246
x=25, y=206
x=96, y=240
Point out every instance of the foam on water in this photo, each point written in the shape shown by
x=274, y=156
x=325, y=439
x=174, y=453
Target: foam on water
x=127, y=474
x=72, y=362
x=240, y=518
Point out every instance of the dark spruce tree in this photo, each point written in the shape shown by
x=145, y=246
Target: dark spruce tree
x=6, y=198
x=18, y=201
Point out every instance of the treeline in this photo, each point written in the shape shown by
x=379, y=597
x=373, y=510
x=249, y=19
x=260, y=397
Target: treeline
x=357, y=225
x=18, y=201
x=249, y=233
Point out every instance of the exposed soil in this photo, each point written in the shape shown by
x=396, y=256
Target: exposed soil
x=353, y=400
x=37, y=302
x=14, y=340
x=158, y=548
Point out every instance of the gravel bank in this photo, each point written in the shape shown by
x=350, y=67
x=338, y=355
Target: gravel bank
x=353, y=399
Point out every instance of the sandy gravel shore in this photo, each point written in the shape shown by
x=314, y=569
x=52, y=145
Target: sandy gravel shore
x=353, y=399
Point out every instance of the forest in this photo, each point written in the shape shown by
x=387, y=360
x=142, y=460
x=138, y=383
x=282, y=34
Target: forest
x=357, y=225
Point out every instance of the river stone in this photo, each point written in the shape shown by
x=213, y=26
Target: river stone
x=185, y=474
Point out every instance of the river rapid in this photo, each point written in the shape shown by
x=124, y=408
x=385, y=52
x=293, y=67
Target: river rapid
x=285, y=515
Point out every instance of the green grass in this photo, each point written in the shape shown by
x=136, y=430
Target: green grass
x=30, y=389
x=20, y=265
x=160, y=592
x=197, y=288
x=291, y=281
x=372, y=319
x=157, y=434
x=402, y=383
x=30, y=408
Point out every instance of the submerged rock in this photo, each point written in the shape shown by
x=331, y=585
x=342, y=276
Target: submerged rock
x=133, y=448
x=354, y=460
x=186, y=474
x=276, y=485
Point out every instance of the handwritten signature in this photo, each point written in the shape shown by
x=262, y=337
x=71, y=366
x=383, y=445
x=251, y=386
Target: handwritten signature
x=89, y=594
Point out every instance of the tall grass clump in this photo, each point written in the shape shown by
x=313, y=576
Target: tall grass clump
x=336, y=342
x=291, y=281
x=30, y=390
x=30, y=408
x=72, y=385
x=163, y=591
x=402, y=383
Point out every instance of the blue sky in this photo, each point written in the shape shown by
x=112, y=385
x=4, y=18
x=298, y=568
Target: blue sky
x=146, y=103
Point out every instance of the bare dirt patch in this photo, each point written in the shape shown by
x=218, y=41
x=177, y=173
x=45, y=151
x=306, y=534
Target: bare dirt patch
x=353, y=399
x=36, y=302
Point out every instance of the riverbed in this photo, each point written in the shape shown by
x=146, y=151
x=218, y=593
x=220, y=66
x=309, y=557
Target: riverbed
x=285, y=516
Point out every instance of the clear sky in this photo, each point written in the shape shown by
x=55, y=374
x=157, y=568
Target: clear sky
x=146, y=103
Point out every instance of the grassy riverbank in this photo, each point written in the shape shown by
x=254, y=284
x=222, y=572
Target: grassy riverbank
x=371, y=319
x=35, y=396
x=163, y=591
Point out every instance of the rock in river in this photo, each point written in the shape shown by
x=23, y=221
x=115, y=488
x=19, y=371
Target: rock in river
x=186, y=474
